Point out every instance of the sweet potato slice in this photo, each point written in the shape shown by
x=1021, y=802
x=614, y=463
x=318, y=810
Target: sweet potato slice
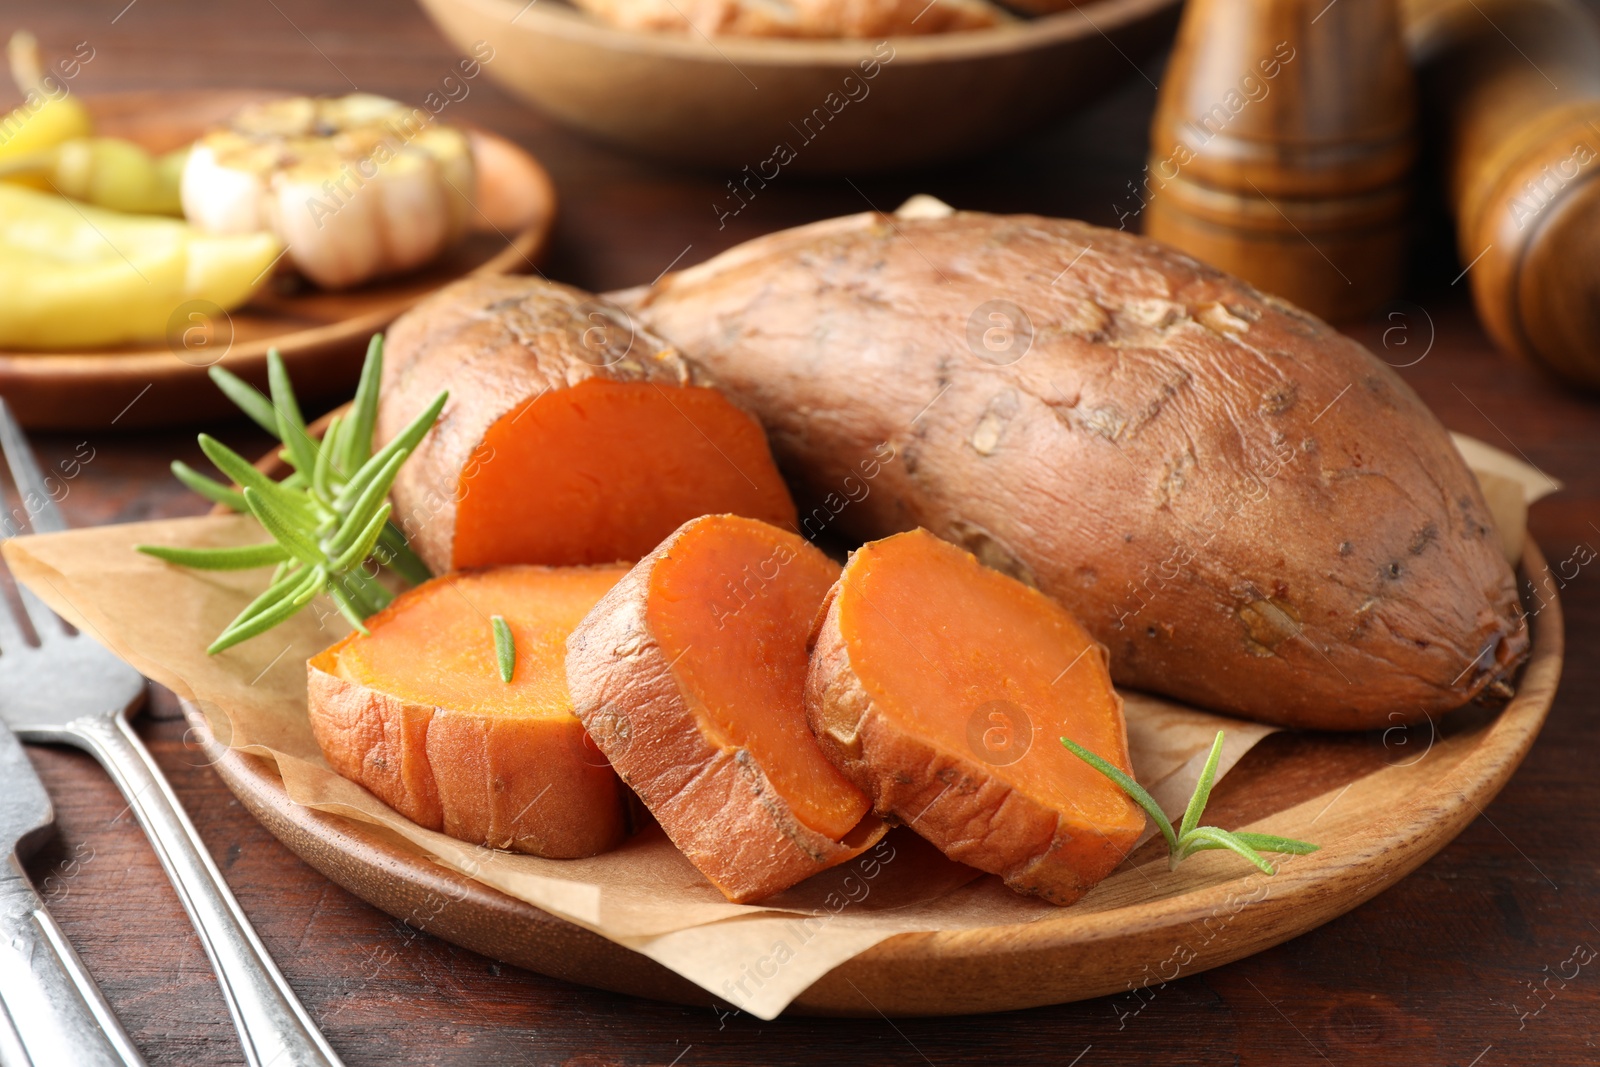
x=570, y=436
x=689, y=675
x=941, y=687
x=417, y=713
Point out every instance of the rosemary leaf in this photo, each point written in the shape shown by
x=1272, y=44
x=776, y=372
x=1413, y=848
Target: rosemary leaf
x=1190, y=837
x=364, y=409
x=505, y=650
x=400, y=556
x=366, y=505
x=209, y=488
x=241, y=558
x=361, y=547
x=239, y=469
x=322, y=469
x=291, y=425
x=401, y=445
x=247, y=398
x=1274, y=843
x=238, y=631
x=369, y=592
x=1130, y=787
x=281, y=588
x=348, y=607
x=1202, y=838
x=283, y=526
x=1202, y=788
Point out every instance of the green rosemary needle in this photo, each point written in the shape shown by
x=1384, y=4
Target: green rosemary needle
x=328, y=519
x=505, y=650
x=1190, y=837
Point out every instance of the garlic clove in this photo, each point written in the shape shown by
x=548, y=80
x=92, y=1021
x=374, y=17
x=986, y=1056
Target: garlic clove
x=222, y=198
x=332, y=235
x=416, y=215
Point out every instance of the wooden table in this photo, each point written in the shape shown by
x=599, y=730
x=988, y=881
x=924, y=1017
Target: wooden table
x=1446, y=968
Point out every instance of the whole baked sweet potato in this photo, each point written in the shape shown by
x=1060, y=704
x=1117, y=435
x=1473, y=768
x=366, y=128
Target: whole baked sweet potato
x=1250, y=510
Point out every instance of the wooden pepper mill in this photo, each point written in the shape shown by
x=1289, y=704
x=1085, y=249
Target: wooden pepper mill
x=1282, y=148
x=1513, y=87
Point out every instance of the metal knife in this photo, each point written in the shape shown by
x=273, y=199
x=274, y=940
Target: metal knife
x=51, y=1012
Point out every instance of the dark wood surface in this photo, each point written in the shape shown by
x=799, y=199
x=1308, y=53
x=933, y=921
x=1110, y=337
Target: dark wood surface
x=1448, y=967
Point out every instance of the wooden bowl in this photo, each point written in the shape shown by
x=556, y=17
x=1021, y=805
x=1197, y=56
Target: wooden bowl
x=322, y=336
x=730, y=102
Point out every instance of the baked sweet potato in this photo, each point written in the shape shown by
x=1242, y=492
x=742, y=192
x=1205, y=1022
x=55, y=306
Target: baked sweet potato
x=1253, y=513
x=690, y=674
x=418, y=713
x=941, y=687
x=569, y=436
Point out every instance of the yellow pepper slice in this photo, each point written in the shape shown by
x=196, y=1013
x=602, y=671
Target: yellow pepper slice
x=77, y=276
x=47, y=116
x=105, y=171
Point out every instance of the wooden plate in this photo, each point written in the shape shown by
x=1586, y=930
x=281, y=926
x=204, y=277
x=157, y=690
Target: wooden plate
x=322, y=336
x=729, y=103
x=1399, y=797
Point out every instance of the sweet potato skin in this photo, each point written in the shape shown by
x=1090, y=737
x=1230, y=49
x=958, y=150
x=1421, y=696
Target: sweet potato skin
x=495, y=343
x=951, y=798
x=467, y=776
x=1250, y=510
x=501, y=765
x=715, y=802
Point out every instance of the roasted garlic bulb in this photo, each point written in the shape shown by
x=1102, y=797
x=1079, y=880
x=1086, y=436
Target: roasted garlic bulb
x=356, y=187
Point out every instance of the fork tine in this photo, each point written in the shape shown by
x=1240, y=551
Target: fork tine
x=37, y=503
x=33, y=494
x=11, y=640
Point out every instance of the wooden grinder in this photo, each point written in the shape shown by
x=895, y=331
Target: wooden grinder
x=1282, y=148
x=1514, y=88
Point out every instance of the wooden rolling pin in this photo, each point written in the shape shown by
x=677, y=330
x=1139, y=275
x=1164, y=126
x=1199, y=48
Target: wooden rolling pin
x=1514, y=89
x=1282, y=146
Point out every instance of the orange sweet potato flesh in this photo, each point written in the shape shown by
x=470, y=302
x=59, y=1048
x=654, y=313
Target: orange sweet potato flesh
x=418, y=714
x=941, y=687
x=604, y=470
x=571, y=436
x=690, y=675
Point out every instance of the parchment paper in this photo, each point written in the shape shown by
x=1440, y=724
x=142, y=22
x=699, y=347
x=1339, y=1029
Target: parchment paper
x=643, y=895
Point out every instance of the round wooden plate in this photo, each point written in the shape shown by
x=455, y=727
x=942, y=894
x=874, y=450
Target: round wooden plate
x=1393, y=800
x=321, y=335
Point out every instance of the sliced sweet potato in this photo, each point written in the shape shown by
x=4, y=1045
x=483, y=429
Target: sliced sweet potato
x=689, y=676
x=570, y=437
x=417, y=713
x=941, y=688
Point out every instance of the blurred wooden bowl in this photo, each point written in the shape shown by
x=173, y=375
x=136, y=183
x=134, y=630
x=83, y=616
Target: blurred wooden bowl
x=729, y=102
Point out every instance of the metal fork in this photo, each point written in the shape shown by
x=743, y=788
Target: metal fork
x=69, y=689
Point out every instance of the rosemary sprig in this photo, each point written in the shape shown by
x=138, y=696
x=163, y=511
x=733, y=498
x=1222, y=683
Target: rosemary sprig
x=505, y=650
x=328, y=518
x=1190, y=837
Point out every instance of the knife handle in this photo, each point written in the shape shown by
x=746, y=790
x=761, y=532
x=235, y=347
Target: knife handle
x=274, y=1028
x=53, y=1013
